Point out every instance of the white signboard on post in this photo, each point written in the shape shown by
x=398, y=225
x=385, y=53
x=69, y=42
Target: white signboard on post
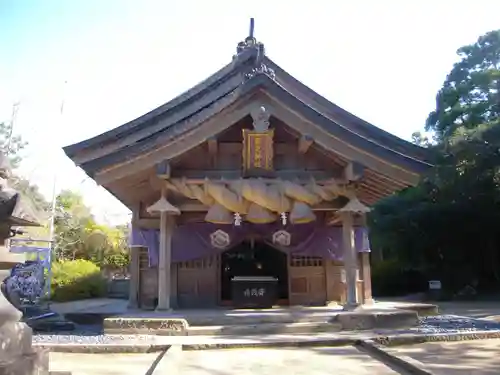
x=434, y=284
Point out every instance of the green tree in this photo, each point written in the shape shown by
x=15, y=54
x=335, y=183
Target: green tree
x=78, y=236
x=70, y=223
x=470, y=96
x=11, y=144
x=420, y=139
x=446, y=226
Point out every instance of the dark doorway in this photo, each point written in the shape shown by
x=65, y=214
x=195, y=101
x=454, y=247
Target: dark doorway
x=254, y=259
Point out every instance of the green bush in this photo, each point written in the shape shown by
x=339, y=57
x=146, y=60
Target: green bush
x=76, y=279
x=390, y=279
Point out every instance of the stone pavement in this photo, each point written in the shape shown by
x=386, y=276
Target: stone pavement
x=312, y=361
x=477, y=357
x=102, y=364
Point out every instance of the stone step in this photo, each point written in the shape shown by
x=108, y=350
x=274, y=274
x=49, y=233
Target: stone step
x=239, y=318
x=264, y=328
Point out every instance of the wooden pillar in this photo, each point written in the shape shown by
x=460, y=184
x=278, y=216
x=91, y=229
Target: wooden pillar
x=133, y=296
x=173, y=286
x=350, y=260
x=367, y=278
x=365, y=267
x=331, y=298
x=165, y=261
x=166, y=211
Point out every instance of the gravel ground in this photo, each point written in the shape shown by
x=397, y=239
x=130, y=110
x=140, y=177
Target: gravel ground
x=92, y=334
x=89, y=334
x=453, y=323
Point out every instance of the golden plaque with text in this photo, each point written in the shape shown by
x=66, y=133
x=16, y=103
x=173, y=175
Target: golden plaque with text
x=258, y=150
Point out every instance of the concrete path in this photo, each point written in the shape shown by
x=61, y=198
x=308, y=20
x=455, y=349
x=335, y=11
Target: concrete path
x=315, y=361
x=102, y=364
x=478, y=357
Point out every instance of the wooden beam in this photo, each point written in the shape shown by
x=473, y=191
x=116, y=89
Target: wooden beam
x=212, y=146
x=225, y=148
x=198, y=207
x=374, y=194
x=333, y=220
x=291, y=174
x=149, y=223
x=304, y=143
x=384, y=180
x=213, y=150
x=193, y=207
x=156, y=182
x=327, y=206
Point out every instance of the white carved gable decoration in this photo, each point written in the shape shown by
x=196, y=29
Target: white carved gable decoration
x=282, y=238
x=220, y=239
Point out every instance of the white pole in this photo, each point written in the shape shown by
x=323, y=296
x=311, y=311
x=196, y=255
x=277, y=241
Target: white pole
x=51, y=238
x=53, y=210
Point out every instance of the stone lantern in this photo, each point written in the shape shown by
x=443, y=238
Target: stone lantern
x=17, y=356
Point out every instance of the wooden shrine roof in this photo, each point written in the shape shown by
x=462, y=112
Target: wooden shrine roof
x=250, y=71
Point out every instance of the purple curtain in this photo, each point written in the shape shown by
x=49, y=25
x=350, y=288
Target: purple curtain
x=193, y=241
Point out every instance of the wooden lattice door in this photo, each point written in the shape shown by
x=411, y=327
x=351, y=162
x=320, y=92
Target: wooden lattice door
x=148, y=281
x=197, y=282
x=307, y=281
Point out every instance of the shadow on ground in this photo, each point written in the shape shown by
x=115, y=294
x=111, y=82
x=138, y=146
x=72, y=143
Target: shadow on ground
x=459, y=358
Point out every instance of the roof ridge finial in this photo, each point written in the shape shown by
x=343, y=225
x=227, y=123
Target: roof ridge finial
x=252, y=27
x=250, y=41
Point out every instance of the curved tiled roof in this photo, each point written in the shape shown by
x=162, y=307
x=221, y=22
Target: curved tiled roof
x=250, y=69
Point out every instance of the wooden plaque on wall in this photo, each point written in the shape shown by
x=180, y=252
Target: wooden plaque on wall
x=258, y=150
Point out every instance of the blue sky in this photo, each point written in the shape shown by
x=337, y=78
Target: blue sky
x=382, y=60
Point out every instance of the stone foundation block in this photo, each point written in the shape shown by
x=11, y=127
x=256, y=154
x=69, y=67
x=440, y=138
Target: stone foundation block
x=146, y=326
x=370, y=319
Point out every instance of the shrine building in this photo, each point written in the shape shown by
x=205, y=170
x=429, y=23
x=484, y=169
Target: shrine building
x=249, y=189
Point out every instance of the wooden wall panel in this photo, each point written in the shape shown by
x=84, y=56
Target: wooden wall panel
x=197, y=284
x=336, y=289
x=148, y=282
x=334, y=286
x=307, y=281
